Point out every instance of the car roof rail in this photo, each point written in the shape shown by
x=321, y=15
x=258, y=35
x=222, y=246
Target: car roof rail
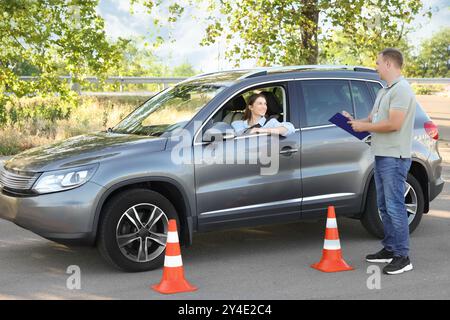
x=264, y=71
x=254, y=74
x=364, y=69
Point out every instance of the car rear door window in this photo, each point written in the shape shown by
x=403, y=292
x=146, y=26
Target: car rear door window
x=362, y=98
x=374, y=88
x=324, y=98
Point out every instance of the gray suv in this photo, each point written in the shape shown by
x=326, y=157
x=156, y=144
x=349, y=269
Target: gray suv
x=118, y=188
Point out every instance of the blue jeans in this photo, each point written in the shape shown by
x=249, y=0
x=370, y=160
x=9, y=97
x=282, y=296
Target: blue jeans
x=390, y=180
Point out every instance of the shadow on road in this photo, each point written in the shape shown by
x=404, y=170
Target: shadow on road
x=50, y=257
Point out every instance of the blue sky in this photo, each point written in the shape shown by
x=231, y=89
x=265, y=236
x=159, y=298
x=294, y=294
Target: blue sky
x=119, y=22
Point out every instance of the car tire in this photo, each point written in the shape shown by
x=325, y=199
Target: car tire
x=120, y=224
x=371, y=219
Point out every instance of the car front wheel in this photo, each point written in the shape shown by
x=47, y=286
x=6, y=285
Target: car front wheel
x=133, y=230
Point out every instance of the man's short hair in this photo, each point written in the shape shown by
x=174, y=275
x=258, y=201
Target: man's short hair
x=394, y=55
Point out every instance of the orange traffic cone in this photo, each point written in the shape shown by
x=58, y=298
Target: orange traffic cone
x=173, y=280
x=332, y=260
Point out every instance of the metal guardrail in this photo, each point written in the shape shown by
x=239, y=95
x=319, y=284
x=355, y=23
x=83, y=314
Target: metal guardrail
x=429, y=80
x=119, y=79
x=118, y=94
x=166, y=81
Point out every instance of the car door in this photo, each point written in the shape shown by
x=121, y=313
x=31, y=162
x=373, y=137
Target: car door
x=335, y=165
x=261, y=184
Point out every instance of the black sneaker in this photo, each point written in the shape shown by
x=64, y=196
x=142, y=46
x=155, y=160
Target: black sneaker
x=398, y=265
x=381, y=256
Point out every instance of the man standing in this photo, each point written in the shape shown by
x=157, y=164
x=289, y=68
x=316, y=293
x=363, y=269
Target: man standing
x=391, y=123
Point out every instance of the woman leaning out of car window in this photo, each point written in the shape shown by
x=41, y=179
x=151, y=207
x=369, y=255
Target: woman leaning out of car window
x=254, y=120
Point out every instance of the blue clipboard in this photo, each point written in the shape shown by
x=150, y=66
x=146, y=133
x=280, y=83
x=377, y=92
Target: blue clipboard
x=341, y=121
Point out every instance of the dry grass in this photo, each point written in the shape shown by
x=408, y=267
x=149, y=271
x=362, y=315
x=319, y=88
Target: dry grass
x=91, y=114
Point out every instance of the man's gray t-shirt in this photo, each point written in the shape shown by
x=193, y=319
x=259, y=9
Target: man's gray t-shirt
x=399, y=96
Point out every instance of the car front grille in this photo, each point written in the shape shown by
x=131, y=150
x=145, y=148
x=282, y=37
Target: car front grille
x=10, y=180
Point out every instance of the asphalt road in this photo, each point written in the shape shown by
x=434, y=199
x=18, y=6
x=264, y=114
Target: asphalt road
x=255, y=263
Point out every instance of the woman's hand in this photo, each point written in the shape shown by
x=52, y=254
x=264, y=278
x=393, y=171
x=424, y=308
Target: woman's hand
x=273, y=131
x=258, y=130
x=261, y=130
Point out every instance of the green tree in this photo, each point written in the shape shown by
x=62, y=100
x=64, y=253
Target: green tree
x=183, y=70
x=25, y=68
x=342, y=50
x=51, y=38
x=434, y=56
x=137, y=59
x=291, y=32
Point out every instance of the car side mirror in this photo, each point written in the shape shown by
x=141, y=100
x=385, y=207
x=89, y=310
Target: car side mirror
x=218, y=132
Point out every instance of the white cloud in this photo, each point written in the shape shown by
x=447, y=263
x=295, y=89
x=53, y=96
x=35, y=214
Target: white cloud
x=116, y=27
x=122, y=5
x=188, y=32
x=425, y=27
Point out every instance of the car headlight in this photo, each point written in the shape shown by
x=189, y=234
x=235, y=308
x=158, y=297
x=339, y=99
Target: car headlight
x=53, y=181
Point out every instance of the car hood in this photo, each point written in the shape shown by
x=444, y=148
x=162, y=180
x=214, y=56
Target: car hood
x=82, y=150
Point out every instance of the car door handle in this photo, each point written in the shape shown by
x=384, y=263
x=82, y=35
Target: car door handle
x=288, y=150
x=368, y=140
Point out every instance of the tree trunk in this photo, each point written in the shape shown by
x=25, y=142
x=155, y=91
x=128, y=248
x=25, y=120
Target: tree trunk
x=310, y=29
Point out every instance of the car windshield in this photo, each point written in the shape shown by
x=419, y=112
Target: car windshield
x=169, y=110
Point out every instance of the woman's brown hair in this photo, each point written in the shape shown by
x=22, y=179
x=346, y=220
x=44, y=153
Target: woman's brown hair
x=251, y=101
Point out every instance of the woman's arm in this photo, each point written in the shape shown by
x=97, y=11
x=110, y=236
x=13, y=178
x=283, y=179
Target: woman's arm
x=278, y=130
x=273, y=126
x=238, y=127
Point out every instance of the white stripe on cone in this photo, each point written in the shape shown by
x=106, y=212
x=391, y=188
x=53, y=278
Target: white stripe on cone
x=332, y=245
x=331, y=223
x=172, y=237
x=173, y=261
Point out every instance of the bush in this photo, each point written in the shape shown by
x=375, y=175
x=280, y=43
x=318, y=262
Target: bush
x=427, y=89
